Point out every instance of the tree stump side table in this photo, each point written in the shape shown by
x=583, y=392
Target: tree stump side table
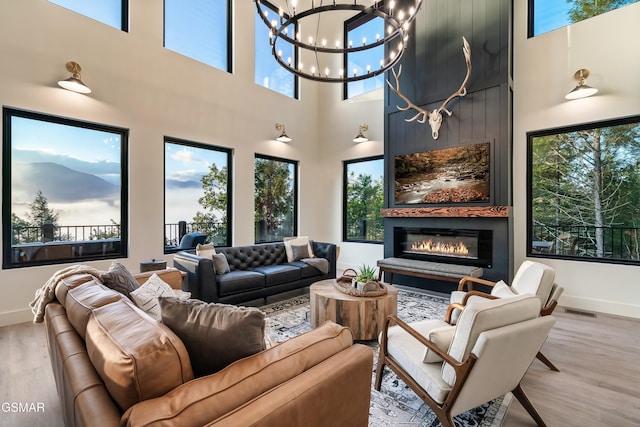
x=365, y=316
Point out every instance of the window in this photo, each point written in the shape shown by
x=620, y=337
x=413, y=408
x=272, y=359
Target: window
x=358, y=29
x=64, y=186
x=199, y=29
x=584, y=192
x=363, y=197
x=110, y=12
x=268, y=72
x=197, y=194
x=548, y=15
x=276, y=198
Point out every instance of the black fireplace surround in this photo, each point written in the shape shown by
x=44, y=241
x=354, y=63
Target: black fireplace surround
x=446, y=245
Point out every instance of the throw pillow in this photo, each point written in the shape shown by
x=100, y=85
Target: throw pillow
x=206, y=250
x=146, y=296
x=300, y=252
x=220, y=264
x=502, y=290
x=119, y=279
x=441, y=337
x=215, y=335
x=296, y=241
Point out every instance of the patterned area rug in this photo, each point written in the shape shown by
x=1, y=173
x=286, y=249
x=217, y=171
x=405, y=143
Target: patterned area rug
x=395, y=404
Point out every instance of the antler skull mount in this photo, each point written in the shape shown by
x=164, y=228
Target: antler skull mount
x=435, y=116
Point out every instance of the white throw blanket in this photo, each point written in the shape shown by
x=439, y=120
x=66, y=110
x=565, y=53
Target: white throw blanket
x=47, y=292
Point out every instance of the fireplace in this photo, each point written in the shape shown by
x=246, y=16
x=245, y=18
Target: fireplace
x=447, y=245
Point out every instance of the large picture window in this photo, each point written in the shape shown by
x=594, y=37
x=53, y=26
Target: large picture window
x=549, y=15
x=64, y=190
x=197, y=195
x=268, y=72
x=199, y=29
x=363, y=197
x=110, y=12
x=356, y=32
x=275, y=198
x=584, y=192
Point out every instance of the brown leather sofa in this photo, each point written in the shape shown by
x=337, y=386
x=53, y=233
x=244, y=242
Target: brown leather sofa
x=115, y=366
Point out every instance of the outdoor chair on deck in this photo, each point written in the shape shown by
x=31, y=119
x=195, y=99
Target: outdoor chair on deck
x=457, y=368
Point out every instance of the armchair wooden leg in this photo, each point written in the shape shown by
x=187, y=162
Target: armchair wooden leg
x=379, y=370
x=524, y=401
x=547, y=362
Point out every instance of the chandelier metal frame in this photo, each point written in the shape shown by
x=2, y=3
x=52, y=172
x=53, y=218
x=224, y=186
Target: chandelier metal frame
x=397, y=25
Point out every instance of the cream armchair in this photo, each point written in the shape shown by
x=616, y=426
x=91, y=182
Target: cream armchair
x=532, y=278
x=456, y=368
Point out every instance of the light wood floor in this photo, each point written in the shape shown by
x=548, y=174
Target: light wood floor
x=598, y=383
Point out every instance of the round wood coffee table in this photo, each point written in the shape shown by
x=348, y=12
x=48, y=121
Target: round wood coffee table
x=364, y=315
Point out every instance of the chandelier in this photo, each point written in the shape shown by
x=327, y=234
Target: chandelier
x=394, y=39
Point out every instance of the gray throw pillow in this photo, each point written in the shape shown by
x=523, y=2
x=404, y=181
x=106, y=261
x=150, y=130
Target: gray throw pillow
x=215, y=335
x=119, y=279
x=220, y=263
x=300, y=252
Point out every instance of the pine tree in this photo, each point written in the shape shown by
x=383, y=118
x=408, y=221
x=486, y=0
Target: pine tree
x=40, y=213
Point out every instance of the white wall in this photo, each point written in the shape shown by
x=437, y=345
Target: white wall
x=607, y=45
x=139, y=85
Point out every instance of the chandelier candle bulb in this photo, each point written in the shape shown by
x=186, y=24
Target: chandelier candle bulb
x=282, y=39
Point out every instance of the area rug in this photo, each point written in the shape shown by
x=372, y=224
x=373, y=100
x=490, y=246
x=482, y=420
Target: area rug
x=395, y=404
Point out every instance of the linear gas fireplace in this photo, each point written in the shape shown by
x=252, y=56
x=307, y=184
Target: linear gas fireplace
x=448, y=245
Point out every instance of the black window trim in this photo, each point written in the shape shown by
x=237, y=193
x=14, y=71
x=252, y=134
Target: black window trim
x=296, y=180
x=296, y=80
x=229, y=36
x=345, y=178
x=229, y=165
x=7, y=114
x=552, y=131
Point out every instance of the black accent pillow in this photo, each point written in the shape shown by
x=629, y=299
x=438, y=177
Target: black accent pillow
x=220, y=263
x=300, y=252
x=119, y=279
x=215, y=335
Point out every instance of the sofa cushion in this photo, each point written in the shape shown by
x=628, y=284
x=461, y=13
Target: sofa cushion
x=82, y=300
x=240, y=281
x=306, y=270
x=278, y=274
x=215, y=335
x=206, y=250
x=119, y=279
x=70, y=282
x=136, y=357
x=208, y=398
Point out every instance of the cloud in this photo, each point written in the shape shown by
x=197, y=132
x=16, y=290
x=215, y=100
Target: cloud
x=187, y=156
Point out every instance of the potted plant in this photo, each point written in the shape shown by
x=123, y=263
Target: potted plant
x=367, y=274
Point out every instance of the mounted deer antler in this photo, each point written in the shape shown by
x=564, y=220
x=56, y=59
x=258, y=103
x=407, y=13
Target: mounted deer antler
x=435, y=116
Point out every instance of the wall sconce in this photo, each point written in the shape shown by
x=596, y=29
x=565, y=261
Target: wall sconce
x=583, y=89
x=360, y=137
x=283, y=136
x=74, y=83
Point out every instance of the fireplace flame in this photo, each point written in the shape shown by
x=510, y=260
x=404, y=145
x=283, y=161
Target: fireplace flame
x=440, y=248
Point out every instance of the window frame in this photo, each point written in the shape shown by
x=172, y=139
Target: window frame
x=229, y=166
x=531, y=19
x=8, y=113
x=124, y=16
x=349, y=25
x=296, y=80
x=296, y=199
x=529, y=250
x=345, y=180
x=229, y=37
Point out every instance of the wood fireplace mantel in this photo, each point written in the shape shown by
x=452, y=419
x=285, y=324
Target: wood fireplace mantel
x=448, y=212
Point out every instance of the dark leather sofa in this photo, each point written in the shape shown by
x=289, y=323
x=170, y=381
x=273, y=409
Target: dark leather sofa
x=257, y=271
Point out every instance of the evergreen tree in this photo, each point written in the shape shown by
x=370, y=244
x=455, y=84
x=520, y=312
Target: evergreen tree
x=40, y=213
x=212, y=221
x=273, y=198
